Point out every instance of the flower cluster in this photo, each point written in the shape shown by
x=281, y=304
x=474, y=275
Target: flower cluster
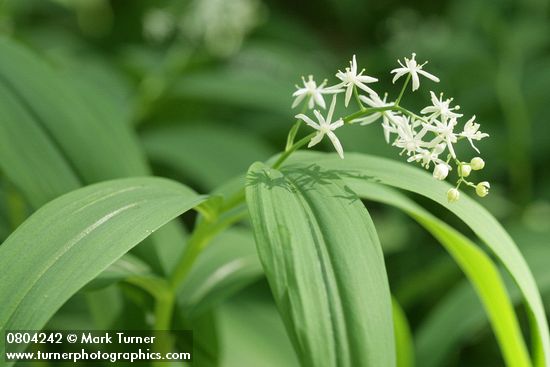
x=427, y=138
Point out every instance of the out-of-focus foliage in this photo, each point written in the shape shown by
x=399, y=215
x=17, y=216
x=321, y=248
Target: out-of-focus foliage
x=217, y=75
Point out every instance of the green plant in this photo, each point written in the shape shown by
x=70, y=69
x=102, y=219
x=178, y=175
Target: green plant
x=317, y=245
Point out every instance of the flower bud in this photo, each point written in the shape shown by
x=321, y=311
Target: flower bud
x=464, y=170
x=477, y=163
x=482, y=189
x=453, y=195
x=441, y=171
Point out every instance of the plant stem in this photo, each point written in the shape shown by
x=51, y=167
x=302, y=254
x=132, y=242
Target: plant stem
x=164, y=308
x=409, y=113
x=163, y=311
x=300, y=143
x=292, y=134
x=403, y=90
x=367, y=111
x=203, y=233
x=294, y=130
x=356, y=94
x=161, y=290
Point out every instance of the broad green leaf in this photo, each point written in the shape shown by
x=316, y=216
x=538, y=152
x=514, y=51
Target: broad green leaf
x=360, y=167
x=459, y=317
x=72, y=239
x=97, y=149
x=478, y=267
x=29, y=157
x=404, y=348
x=67, y=139
x=226, y=266
x=322, y=258
x=178, y=147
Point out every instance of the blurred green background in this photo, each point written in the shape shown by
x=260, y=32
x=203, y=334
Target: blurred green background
x=207, y=87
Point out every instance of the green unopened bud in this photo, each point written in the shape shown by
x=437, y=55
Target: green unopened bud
x=453, y=195
x=464, y=170
x=482, y=189
x=477, y=163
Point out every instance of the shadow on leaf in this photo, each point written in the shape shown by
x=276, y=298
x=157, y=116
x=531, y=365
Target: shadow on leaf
x=306, y=179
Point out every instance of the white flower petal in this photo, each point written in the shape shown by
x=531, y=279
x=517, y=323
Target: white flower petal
x=429, y=110
x=298, y=100
x=364, y=87
x=308, y=121
x=368, y=101
x=450, y=147
x=369, y=119
x=415, y=81
x=434, y=98
x=349, y=91
x=331, y=110
x=367, y=79
x=299, y=92
x=473, y=146
x=336, y=124
x=316, y=139
x=428, y=75
x=354, y=65
x=399, y=73
x=320, y=117
x=332, y=90
x=320, y=100
x=334, y=139
x=342, y=76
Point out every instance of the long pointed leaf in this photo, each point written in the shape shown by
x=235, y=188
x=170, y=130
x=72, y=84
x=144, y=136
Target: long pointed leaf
x=459, y=317
x=403, y=339
x=323, y=261
x=97, y=149
x=403, y=176
x=69, y=241
x=478, y=267
x=29, y=158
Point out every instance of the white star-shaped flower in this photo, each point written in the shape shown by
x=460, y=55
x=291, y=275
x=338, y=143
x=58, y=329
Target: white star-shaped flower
x=314, y=92
x=445, y=133
x=325, y=127
x=471, y=132
x=374, y=100
x=350, y=78
x=388, y=118
x=413, y=68
x=429, y=156
x=390, y=126
x=440, y=107
x=408, y=139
